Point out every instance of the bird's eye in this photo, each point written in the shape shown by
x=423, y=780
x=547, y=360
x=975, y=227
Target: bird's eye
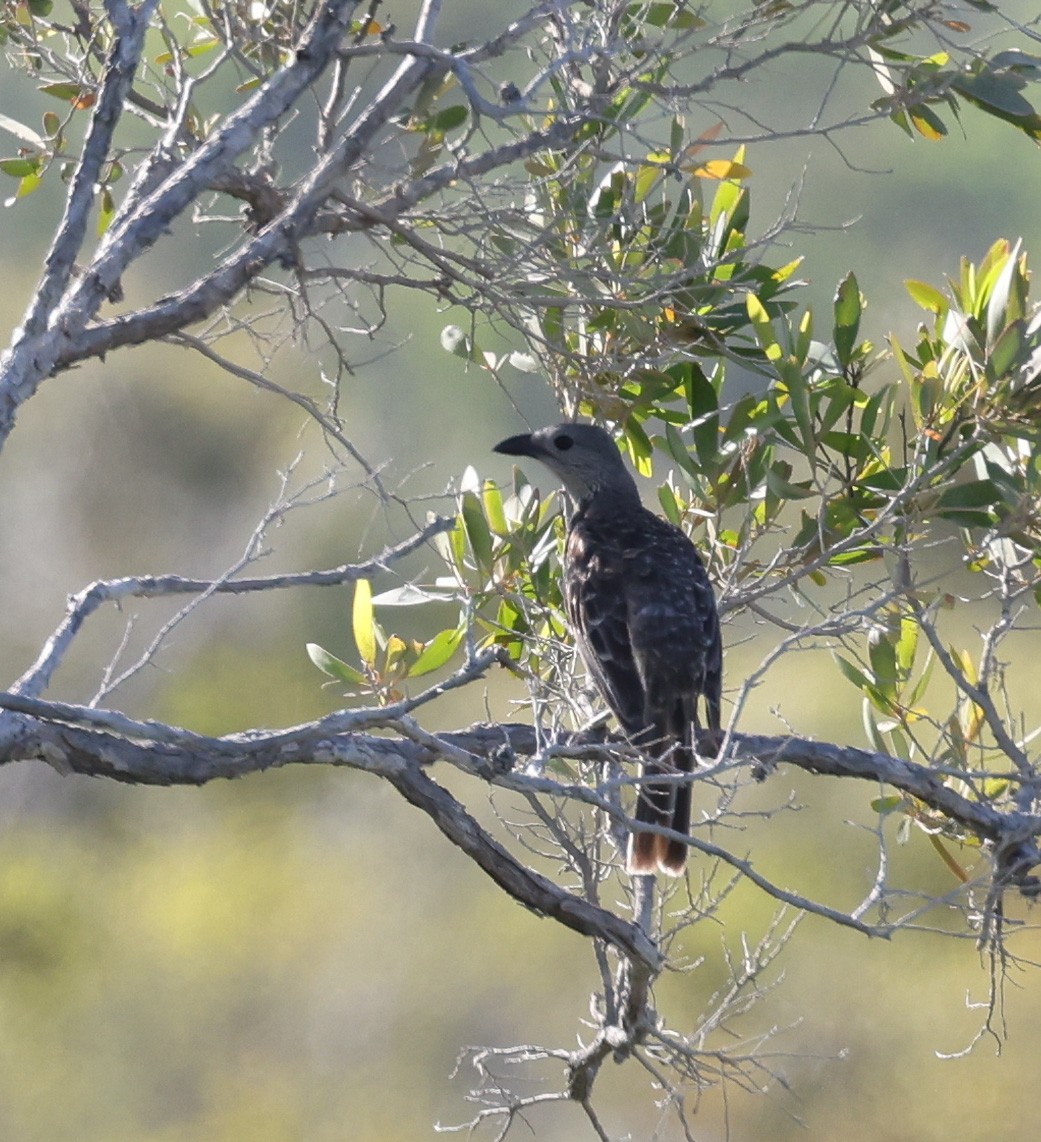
x=562, y=442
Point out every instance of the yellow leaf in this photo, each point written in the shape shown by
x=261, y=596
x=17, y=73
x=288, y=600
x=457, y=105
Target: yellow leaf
x=363, y=621
x=396, y=647
x=928, y=128
x=721, y=169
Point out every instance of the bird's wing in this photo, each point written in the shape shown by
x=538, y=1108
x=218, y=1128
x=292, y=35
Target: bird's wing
x=598, y=610
x=673, y=624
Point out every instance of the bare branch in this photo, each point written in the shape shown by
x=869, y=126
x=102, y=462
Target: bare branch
x=83, y=604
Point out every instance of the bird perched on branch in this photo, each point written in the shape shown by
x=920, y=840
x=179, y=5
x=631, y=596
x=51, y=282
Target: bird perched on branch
x=643, y=613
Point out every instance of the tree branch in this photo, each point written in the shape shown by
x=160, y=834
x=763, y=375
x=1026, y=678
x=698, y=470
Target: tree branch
x=102, y=743
x=84, y=603
x=35, y=353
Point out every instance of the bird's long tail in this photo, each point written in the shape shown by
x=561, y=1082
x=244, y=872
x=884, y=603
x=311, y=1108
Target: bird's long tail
x=665, y=804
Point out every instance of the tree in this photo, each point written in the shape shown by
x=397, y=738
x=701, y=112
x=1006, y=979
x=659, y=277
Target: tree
x=573, y=187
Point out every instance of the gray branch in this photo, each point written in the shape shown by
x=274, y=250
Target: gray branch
x=36, y=349
x=84, y=603
x=101, y=743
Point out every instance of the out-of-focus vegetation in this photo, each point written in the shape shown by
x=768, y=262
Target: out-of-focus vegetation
x=298, y=955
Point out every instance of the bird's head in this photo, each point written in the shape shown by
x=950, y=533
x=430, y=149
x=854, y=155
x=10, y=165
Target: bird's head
x=582, y=456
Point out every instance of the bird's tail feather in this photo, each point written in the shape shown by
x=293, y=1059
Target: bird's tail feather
x=664, y=805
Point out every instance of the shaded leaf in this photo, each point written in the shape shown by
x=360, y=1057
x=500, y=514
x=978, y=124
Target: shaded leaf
x=477, y=531
x=450, y=117
x=19, y=168
x=335, y=667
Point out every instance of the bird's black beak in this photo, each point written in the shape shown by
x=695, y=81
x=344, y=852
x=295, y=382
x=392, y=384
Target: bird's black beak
x=522, y=445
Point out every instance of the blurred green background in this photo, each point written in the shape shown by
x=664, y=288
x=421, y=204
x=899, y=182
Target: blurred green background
x=299, y=955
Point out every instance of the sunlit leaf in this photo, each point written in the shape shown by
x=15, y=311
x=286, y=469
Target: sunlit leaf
x=455, y=341
x=524, y=362
x=885, y=805
x=926, y=295
x=409, y=595
x=106, y=210
x=928, y=124
x=907, y=643
x=363, y=621
x=721, y=169
x=26, y=186
x=437, y=651
x=491, y=499
x=21, y=131
x=847, y=308
x=763, y=326
x=995, y=787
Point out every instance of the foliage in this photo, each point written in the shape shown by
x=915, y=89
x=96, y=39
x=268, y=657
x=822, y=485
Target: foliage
x=573, y=189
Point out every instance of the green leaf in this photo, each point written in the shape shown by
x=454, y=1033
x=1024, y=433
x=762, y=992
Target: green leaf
x=491, y=499
x=67, y=92
x=927, y=296
x=798, y=394
x=667, y=499
x=886, y=805
x=972, y=494
x=477, y=531
x=853, y=673
x=847, y=309
x=869, y=553
x=901, y=747
x=907, y=644
x=106, y=212
x=639, y=446
x=763, y=326
x=704, y=410
x=778, y=483
x=998, y=94
x=995, y=787
x=27, y=185
x=450, y=117
x=335, y=667
x=19, y=168
x=1007, y=351
x=363, y=621
x=883, y=664
x=437, y=651
x=926, y=391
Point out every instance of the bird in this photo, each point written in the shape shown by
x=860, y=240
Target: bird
x=643, y=614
